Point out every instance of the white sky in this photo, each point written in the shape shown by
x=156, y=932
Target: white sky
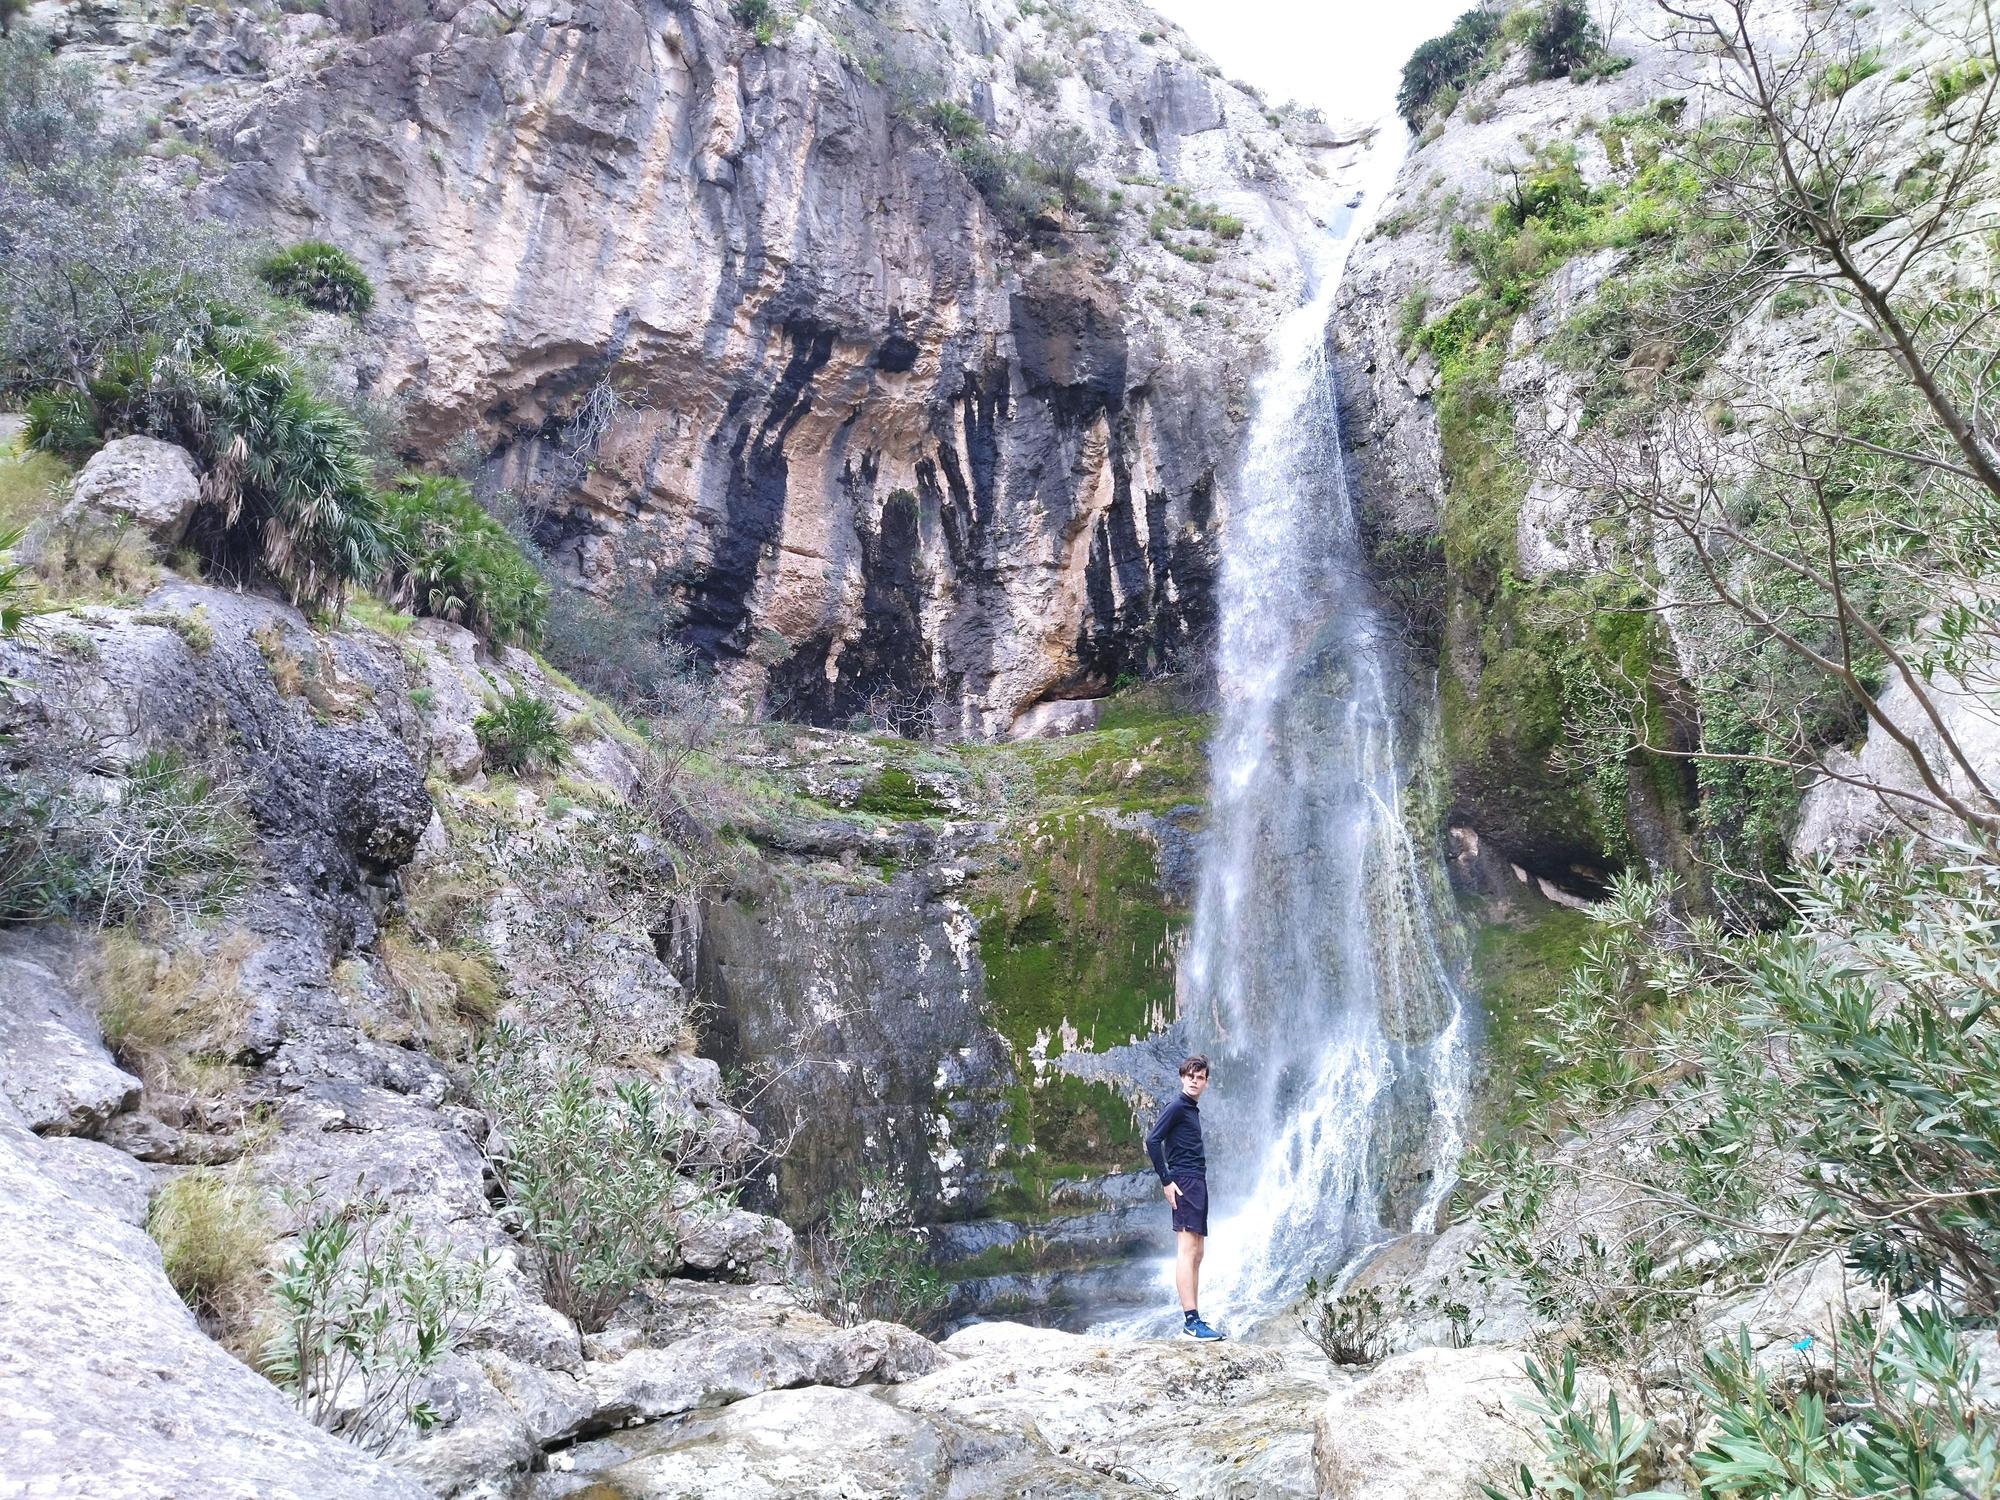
x=1343, y=55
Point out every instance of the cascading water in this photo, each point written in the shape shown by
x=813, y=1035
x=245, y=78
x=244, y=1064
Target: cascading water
x=1313, y=978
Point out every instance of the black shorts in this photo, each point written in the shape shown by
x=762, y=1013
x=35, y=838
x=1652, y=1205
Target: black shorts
x=1191, y=1216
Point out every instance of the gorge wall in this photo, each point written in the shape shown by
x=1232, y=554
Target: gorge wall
x=737, y=319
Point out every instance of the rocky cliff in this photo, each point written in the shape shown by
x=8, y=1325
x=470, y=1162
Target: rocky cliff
x=753, y=313
x=1527, y=328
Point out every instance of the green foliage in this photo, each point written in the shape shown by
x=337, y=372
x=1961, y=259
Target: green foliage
x=1925, y=1432
x=1746, y=809
x=1351, y=1328
x=1843, y=75
x=166, y=841
x=1039, y=75
x=321, y=276
x=1559, y=36
x=1452, y=61
x=1537, y=736
x=122, y=312
x=954, y=121
x=367, y=1306
x=598, y=1182
x=521, y=732
x=100, y=253
x=1410, y=314
x=33, y=487
x=288, y=486
x=446, y=557
x=1957, y=82
x=870, y=1257
x=1877, y=1141
x=15, y=590
x=1547, y=216
x=62, y=422
x=1587, y=1454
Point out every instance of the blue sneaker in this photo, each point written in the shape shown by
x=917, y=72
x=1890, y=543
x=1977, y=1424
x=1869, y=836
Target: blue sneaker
x=1200, y=1330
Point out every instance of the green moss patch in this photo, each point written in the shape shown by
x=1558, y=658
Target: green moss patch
x=1076, y=938
x=1519, y=962
x=895, y=793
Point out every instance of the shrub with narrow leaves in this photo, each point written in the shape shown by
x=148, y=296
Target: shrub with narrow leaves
x=1350, y=1327
x=598, y=1180
x=367, y=1306
x=869, y=1256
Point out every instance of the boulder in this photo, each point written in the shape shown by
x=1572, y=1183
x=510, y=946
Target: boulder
x=153, y=484
x=495, y=1413
x=1435, y=1422
x=53, y=1066
x=107, y=1387
x=738, y=1243
x=1056, y=719
x=727, y=1363
x=790, y=1445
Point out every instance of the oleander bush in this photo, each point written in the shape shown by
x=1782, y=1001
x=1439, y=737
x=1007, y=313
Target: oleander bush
x=598, y=1179
x=870, y=1258
x=366, y=1307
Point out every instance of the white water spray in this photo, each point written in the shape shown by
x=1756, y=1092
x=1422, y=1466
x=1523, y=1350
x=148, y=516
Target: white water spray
x=1313, y=977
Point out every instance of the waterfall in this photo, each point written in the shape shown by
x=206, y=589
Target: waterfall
x=1313, y=978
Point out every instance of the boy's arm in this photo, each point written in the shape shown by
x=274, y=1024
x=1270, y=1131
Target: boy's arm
x=1156, y=1143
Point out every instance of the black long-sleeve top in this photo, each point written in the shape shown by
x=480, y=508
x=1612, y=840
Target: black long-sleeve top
x=1175, y=1143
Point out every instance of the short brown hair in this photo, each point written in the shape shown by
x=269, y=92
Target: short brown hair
x=1193, y=1065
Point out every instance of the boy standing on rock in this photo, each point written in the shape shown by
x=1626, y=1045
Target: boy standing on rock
x=1175, y=1148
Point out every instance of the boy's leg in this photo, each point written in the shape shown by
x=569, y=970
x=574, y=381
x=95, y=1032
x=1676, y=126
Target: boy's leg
x=1187, y=1269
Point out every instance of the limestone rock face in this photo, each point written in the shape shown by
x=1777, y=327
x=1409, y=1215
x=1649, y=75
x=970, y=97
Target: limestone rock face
x=883, y=987
x=745, y=321
x=108, y=1389
x=53, y=1066
x=1165, y=1415
x=1434, y=1422
x=814, y=1444
x=153, y=484
x=1838, y=817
